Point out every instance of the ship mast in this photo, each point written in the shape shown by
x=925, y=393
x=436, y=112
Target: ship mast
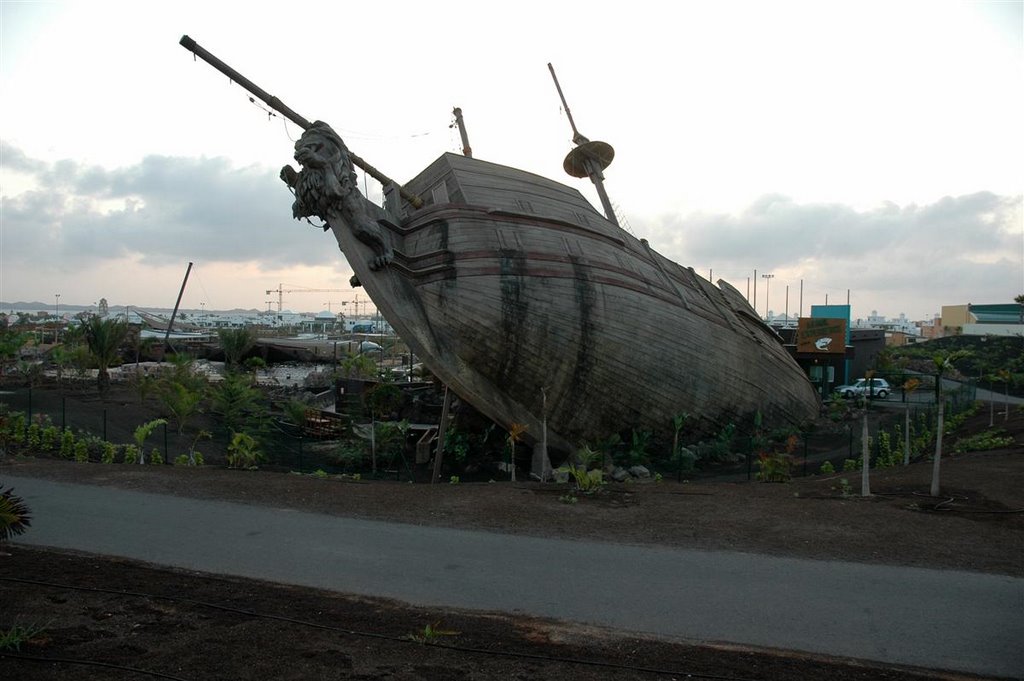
x=461, y=125
x=588, y=159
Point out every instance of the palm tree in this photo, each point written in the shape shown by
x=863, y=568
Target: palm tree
x=104, y=338
x=943, y=363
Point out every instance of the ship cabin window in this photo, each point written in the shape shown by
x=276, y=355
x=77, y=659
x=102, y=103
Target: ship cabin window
x=439, y=194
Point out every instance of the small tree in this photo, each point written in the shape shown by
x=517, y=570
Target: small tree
x=182, y=401
x=235, y=343
x=515, y=434
x=12, y=341
x=143, y=432
x=943, y=362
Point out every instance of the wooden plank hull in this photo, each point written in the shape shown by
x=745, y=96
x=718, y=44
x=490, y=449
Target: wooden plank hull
x=517, y=294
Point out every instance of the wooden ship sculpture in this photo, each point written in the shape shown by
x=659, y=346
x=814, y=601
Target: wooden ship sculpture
x=534, y=307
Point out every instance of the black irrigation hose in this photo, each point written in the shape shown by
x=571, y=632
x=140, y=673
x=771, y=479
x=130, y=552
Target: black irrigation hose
x=351, y=632
x=89, y=663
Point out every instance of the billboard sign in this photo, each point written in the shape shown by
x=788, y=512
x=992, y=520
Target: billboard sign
x=821, y=336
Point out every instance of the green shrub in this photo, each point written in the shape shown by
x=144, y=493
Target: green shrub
x=851, y=465
x=67, y=444
x=107, y=452
x=49, y=438
x=131, y=454
x=827, y=468
x=82, y=451
x=155, y=457
x=989, y=439
x=244, y=452
x=34, y=437
x=773, y=467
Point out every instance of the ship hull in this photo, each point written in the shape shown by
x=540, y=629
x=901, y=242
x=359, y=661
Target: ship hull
x=538, y=311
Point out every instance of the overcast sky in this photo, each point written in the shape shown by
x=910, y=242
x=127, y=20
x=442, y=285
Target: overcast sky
x=874, y=147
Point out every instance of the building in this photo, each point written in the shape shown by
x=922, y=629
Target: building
x=997, y=319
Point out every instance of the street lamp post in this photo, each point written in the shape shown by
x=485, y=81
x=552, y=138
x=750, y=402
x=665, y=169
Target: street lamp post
x=767, y=281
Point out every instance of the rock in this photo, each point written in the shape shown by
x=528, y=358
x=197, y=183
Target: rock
x=639, y=472
x=620, y=474
x=560, y=475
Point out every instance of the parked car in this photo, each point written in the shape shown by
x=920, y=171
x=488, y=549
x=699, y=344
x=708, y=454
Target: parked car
x=877, y=387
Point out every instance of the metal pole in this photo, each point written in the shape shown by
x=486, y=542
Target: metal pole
x=167, y=453
x=105, y=425
x=63, y=413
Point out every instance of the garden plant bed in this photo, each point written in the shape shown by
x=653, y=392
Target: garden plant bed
x=975, y=525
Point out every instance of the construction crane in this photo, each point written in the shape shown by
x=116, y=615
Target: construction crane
x=281, y=290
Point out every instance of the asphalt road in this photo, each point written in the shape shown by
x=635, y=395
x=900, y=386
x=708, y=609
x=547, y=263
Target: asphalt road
x=937, y=619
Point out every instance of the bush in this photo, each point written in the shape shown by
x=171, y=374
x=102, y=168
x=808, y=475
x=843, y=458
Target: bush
x=989, y=439
x=827, y=468
x=131, y=454
x=82, y=451
x=14, y=515
x=244, y=452
x=773, y=467
x=67, y=444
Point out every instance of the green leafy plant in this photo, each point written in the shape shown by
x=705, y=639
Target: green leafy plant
x=104, y=338
x=845, y=488
x=193, y=458
x=15, y=518
x=34, y=437
x=13, y=637
x=320, y=474
x=49, y=439
x=851, y=465
x=454, y=480
x=827, y=468
x=236, y=343
x=67, y=444
x=432, y=633
x=142, y=432
x=155, y=457
x=131, y=454
x=586, y=479
x=107, y=452
x=774, y=467
x=244, y=452
x=989, y=439
x=82, y=451
x=238, y=404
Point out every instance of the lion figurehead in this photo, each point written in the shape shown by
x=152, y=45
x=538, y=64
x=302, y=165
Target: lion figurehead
x=327, y=176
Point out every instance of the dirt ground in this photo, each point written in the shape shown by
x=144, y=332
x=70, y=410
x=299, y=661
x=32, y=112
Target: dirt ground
x=98, y=614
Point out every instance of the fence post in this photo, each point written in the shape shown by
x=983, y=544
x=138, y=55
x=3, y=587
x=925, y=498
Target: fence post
x=29, y=422
x=805, y=453
x=104, y=425
x=63, y=413
x=750, y=462
x=167, y=453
